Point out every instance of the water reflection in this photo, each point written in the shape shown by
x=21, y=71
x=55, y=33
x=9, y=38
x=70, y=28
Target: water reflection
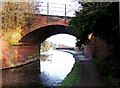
x=23, y=76
x=55, y=65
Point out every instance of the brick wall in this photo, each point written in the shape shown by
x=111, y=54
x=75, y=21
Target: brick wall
x=19, y=55
x=99, y=49
x=88, y=51
x=43, y=20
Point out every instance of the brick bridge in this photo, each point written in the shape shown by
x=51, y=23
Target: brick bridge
x=45, y=26
x=29, y=48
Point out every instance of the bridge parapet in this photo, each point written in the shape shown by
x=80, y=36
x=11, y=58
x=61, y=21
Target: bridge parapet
x=44, y=20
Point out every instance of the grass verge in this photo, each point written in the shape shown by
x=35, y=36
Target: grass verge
x=73, y=76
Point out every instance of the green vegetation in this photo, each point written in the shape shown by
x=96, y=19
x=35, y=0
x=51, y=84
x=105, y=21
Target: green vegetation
x=16, y=16
x=99, y=18
x=45, y=45
x=105, y=67
x=73, y=76
x=43, y=57
x=102, y=20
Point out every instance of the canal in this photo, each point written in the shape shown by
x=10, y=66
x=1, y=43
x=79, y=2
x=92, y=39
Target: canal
x=53, y=68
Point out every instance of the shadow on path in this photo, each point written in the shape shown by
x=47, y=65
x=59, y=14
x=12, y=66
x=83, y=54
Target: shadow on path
x=90, y=75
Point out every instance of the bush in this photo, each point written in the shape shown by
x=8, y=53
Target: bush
x=109, y=69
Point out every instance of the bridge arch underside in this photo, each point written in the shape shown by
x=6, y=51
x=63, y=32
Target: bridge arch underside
x=39, y=35
x=29, y=48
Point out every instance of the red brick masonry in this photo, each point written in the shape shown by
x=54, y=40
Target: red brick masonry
x=19, y=55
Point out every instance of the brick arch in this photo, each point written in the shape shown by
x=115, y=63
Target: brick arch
x=29, y=48
x=39, y=35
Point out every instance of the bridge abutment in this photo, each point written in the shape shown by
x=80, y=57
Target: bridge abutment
x=21, y=54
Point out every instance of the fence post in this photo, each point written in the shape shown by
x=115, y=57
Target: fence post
x=65, y=13
x=47, y=8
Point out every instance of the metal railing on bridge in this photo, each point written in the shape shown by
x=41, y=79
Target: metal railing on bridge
x=55, y=9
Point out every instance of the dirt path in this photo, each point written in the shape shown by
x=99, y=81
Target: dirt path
x=90, y=76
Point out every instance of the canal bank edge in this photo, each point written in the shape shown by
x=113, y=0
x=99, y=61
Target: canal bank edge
x=20, y=65
x=73, y=76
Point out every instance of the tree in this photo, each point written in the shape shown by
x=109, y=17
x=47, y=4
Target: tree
x=45, y=46
x=15, y=17
x=101, y=19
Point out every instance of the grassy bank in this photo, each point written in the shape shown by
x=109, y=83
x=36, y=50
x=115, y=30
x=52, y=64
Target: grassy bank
x=73, y=76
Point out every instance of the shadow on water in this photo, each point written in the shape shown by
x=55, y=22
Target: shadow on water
x=54, y=67
x=22, y=76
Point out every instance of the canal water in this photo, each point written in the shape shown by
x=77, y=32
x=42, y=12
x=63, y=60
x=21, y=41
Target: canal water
x=53, y=68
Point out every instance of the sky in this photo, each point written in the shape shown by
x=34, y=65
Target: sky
x=63, y=39
x=71, y=8
x=58, y=1
x=57, y=7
